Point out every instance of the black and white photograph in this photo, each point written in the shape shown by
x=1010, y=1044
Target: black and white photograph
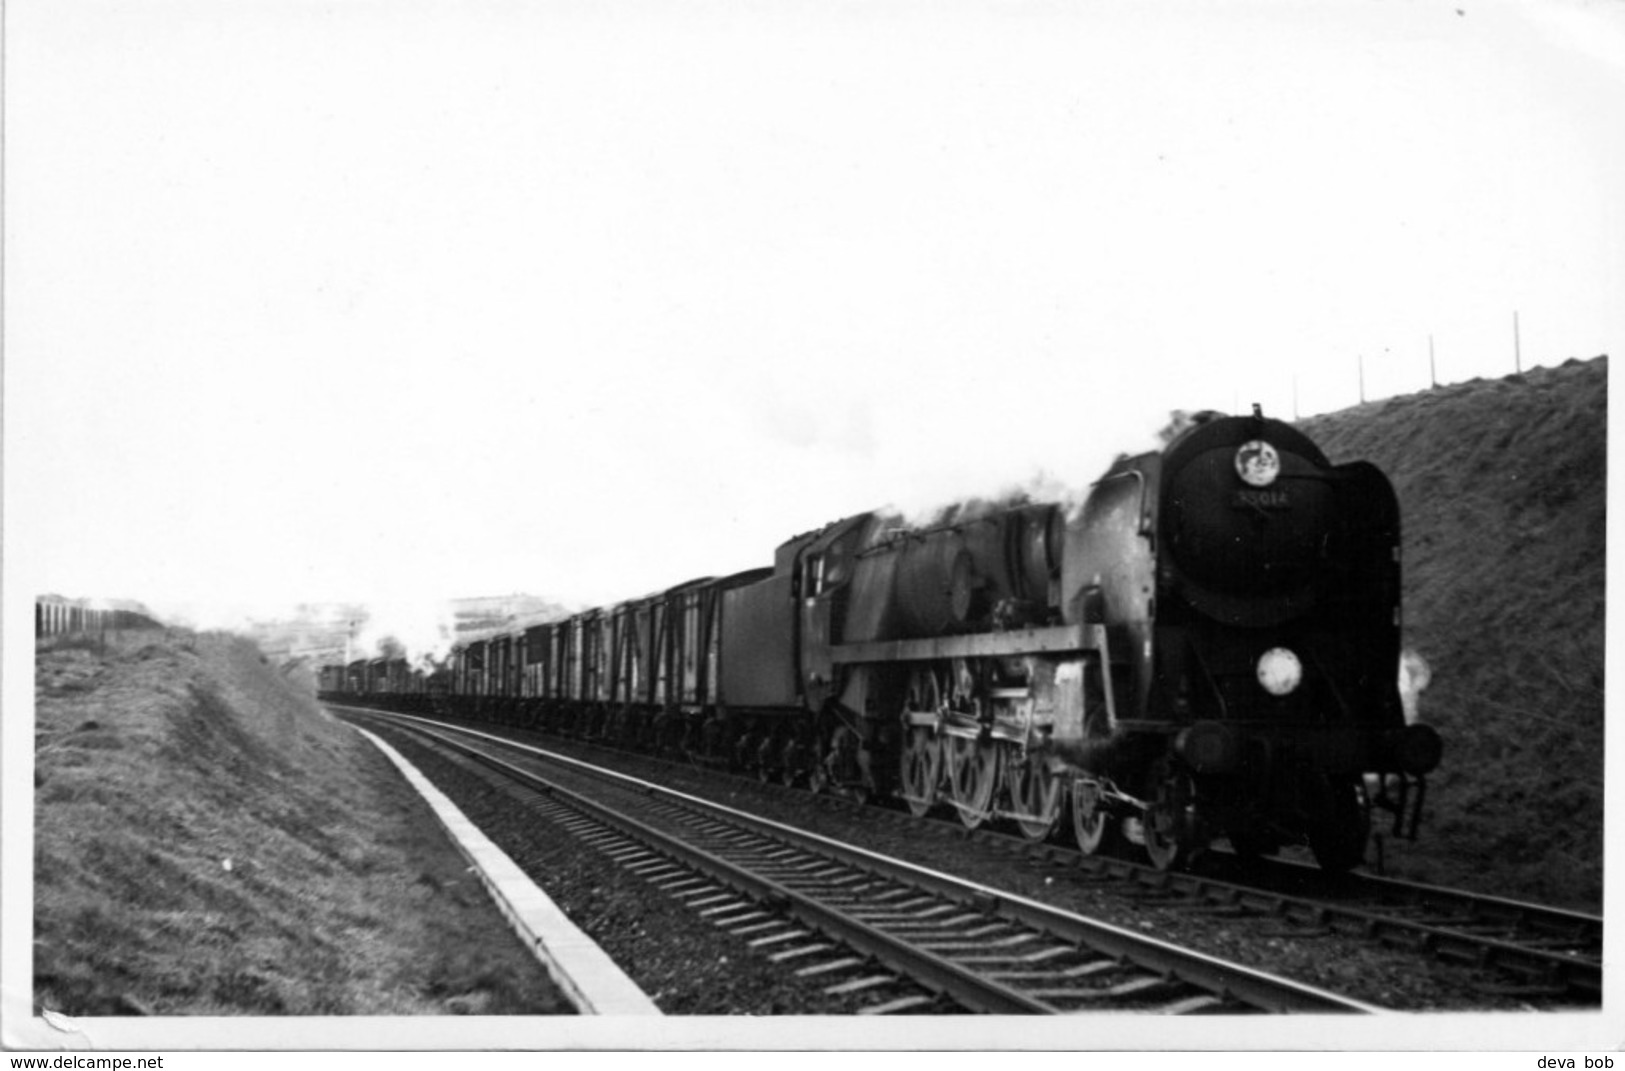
x=808, y=526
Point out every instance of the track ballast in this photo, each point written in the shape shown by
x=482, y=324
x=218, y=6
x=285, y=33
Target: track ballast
x=961, y=946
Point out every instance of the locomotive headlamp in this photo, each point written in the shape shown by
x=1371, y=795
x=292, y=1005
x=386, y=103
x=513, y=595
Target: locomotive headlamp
x=1257, y=463
x=1279, y=671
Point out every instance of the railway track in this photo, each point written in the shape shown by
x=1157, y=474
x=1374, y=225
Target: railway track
x=1546, y=952
x=1542, y=953
x=919, y=940
x=1537, y=953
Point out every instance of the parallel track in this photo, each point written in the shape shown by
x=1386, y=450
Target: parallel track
x=1549, y=952
x=980, y=948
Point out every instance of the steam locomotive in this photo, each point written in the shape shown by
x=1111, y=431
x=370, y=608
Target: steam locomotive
x=1208, y=647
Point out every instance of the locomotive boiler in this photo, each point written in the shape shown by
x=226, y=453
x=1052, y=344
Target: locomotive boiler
x=1208, y=647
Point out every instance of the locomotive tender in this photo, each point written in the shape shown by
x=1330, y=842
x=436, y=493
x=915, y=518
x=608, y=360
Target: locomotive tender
x=1208, y=647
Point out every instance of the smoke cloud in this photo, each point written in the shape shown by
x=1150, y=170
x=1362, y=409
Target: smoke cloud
x=1043, y=486
x=418, y=630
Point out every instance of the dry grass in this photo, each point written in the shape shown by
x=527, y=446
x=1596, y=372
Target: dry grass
x=209, y=842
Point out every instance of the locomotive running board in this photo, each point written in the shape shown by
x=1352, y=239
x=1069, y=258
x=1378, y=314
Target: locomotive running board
x=1058, y=639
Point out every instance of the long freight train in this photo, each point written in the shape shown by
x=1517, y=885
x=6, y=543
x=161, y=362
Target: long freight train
x=1208, y=647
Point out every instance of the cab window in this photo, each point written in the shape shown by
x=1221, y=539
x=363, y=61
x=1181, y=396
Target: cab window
x=812, y=582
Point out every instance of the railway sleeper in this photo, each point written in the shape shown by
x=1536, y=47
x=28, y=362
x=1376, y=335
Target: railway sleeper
x=901, y=916
x=1190, y=1005
x=957, y=946
x=857, y=984
x=780, y=938
x=942, y=938
x=942, y=926
x=1038, y=956
x=832, y=965
x=1218, y=911
x=1081, y=970
x=1144, y=984
x=1559, y=943
x=899, y=1005
x=1303, y=934
x=797, y=953
x=1526, y=992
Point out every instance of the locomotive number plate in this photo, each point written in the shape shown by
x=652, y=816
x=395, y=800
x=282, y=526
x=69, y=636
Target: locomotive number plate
x=1271, y=499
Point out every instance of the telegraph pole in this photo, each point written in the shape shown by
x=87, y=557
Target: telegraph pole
x=1433, y=369
x=1517, y=349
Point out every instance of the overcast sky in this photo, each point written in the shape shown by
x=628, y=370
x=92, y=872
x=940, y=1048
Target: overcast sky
x=355, y=300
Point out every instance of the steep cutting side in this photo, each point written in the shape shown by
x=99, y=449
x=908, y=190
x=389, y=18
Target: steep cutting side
x=209, y=842
x=1503, y=491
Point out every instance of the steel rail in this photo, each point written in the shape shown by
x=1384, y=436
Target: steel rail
x=1209, y=973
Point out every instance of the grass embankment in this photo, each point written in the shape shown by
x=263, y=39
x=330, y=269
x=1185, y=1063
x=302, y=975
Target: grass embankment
x=209, y=842
x=1503, y=491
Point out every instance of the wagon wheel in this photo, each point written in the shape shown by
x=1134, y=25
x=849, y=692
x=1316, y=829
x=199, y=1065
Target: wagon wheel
x=649, y=732
x=1037, y=794
x=767, y=769
x=791, y=760
x=1090, y=820
x=921, y=768
x=817, y=777
x=741, y=750
x=694, y=745
x=820, y=755
x=973, y=773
